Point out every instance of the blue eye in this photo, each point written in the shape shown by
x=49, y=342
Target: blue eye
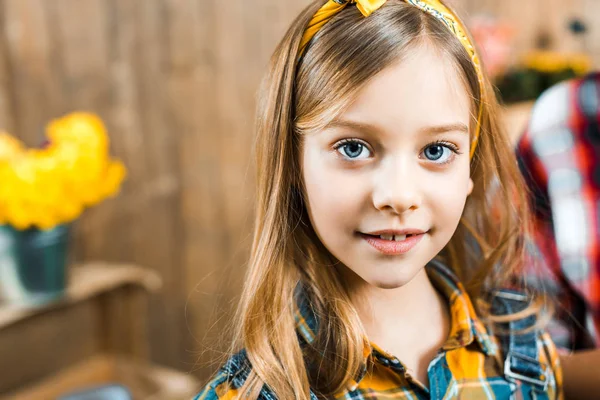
x=353, y=149
x=440, y=153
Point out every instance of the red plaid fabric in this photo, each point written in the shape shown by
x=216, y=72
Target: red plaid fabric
x=559, y=156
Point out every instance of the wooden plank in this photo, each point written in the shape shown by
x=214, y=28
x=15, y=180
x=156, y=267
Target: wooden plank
x=191, y=107
x=33, y=54
x=195, y=43
x=156, y=220
x=125, y=324
x=81, y=31
x=95, y=371
x=144, y=382
x=7, y=88
x=138, y=327
x=196, y=32
x=34, y=348
x=108, y=231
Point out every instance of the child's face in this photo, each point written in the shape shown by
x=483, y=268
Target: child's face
x=389, y=163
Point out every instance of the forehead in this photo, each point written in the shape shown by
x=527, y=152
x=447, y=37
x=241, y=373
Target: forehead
x=422, y=89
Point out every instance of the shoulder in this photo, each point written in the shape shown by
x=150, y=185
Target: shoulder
x=228, y=379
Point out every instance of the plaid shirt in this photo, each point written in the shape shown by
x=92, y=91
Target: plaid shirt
x=559, y=156
x=467, y=366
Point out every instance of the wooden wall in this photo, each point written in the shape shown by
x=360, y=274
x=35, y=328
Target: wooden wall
x=175, y=82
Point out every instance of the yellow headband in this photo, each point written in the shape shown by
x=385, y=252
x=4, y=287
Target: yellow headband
x=433, y=7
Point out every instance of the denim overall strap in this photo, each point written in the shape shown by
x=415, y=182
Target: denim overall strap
x=520, y=350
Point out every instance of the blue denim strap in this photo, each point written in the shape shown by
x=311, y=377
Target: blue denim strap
x=520, y=349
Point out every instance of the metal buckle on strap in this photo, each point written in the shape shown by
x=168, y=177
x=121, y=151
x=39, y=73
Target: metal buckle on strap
x=542, y=381
x=511, y=295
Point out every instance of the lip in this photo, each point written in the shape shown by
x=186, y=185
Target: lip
x=391, y=247
x=409, y=231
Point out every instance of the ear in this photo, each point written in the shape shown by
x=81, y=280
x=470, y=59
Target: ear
x=470, y=187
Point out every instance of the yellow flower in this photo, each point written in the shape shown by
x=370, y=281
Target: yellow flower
x=84, y=129
x=9, y=146
x=51, y=186
x=552, y=62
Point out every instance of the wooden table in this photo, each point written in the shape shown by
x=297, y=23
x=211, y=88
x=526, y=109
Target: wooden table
x=95, y=334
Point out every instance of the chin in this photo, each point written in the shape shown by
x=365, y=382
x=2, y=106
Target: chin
x=392, y=281
x=388, y=284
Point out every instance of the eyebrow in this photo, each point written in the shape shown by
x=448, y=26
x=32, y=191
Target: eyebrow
x=456, y=127
x=430, y=130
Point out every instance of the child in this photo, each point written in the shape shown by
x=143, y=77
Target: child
x=377, y=269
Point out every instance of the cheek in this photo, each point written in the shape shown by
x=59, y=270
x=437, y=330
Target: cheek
x=332, y=194
x=449, y=195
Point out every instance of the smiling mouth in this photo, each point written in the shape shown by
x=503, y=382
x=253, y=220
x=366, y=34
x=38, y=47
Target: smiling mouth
x=393, y=244
x=395, y=238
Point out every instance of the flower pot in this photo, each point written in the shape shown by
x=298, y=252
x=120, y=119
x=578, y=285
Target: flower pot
x=33, y=264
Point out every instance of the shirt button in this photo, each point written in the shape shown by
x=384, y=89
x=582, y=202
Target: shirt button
x=383, y=360
x=397, y=365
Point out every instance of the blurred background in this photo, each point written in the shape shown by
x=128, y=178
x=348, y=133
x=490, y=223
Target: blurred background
x=154, y=272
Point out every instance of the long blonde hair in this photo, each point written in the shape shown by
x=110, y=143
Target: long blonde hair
x=300, y=96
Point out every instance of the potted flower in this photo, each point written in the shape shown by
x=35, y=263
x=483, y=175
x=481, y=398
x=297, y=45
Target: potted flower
x=42, y=191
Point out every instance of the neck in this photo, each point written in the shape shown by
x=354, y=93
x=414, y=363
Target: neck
x=410, y=305
x=411, y=322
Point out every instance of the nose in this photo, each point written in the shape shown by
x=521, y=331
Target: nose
x=397, y=187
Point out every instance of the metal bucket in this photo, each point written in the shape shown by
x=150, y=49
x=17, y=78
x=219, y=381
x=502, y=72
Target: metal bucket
x=33, y=264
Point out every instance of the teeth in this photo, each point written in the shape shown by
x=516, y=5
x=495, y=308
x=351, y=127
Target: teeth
x=397, y=238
